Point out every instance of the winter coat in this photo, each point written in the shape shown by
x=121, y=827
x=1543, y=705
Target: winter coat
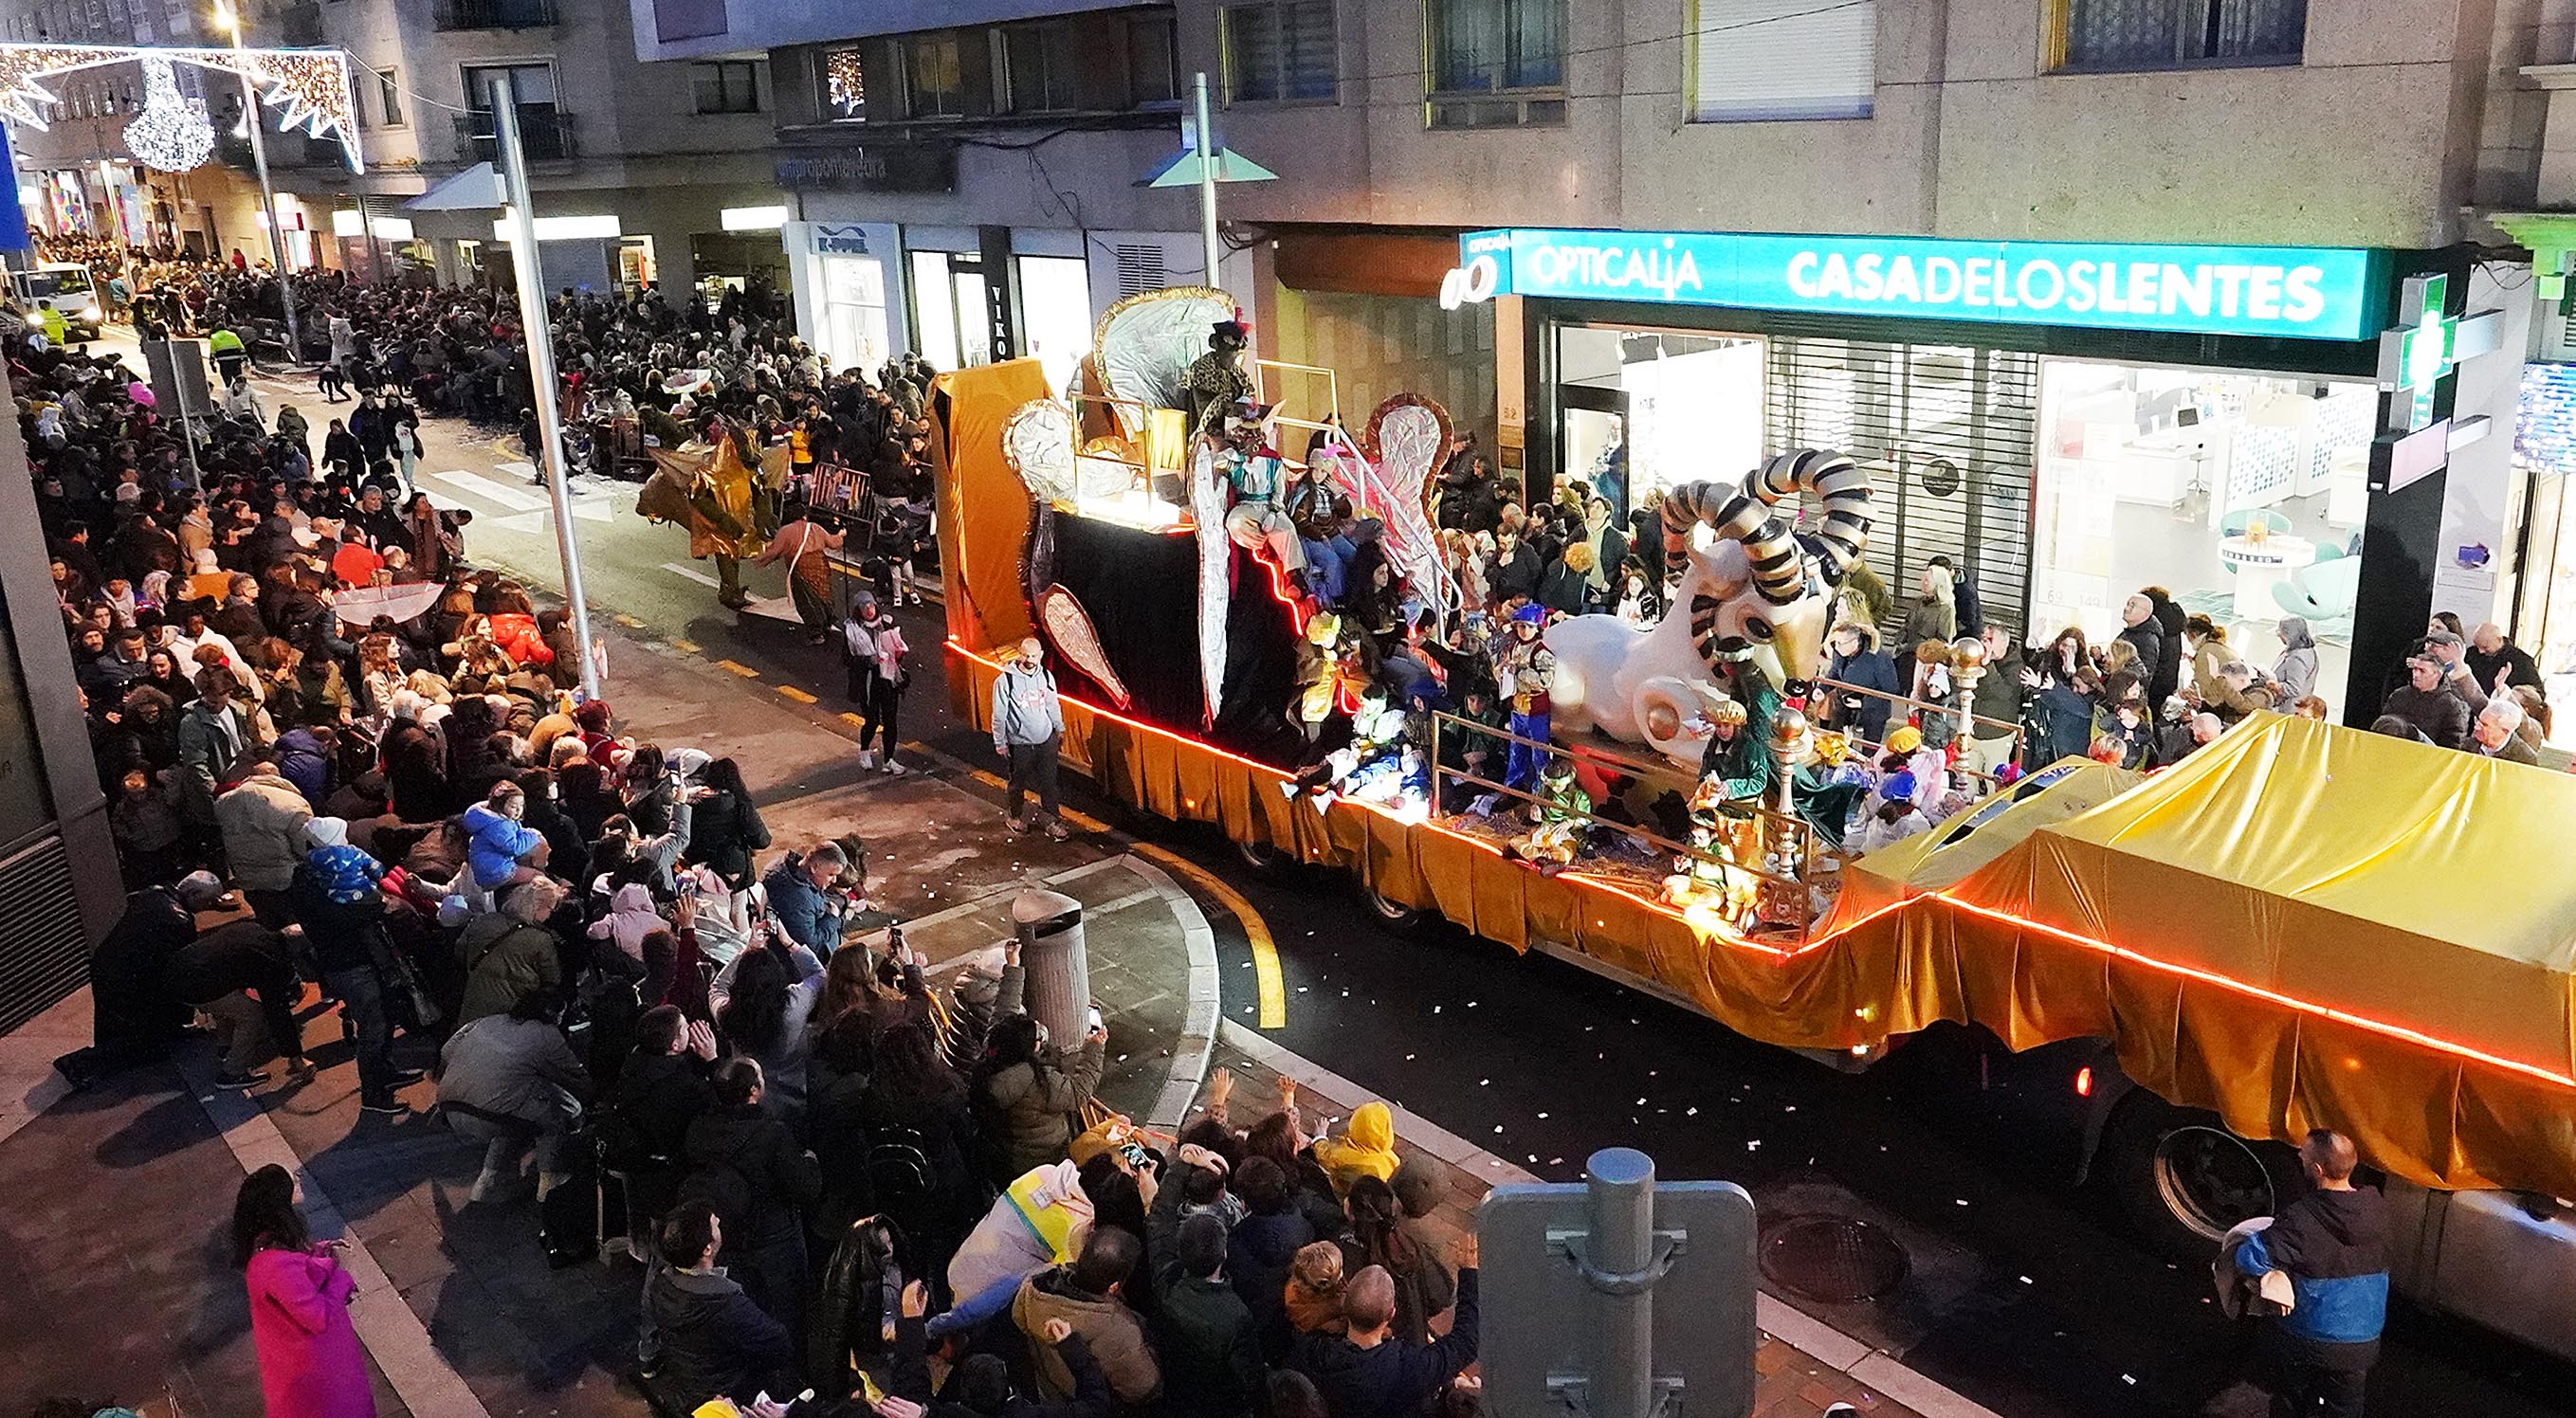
x=2065, y=723
x=505, y=962
x=1564, y=589
x=1026, y=1110
x=1516, y=577
x=1258, y=1253
x=1930, y=619
x=1366, y=1148
x=727, y=831
x=715, y=1341
x=778, y=1175
x=2168, y=676
x=2334, y=1247
x=302, y=761
x=263, y=824
x=808, y=913
x=209, y=745
x=1395, y=1379
x=415, y=785
x=495, y=844
x=2148, y=639
x=310, y=1362
x=783, y=1064
x=630, y=918
x=1863, y=714
x=2436, y=713
x=1107, y=1326
x=519, y=1068
x=1204, y=1343
x=2296, y=672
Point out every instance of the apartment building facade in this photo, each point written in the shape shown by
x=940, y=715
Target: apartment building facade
x=2194, y=435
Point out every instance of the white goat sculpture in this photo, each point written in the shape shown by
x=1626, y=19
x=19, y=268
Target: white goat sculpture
x=1759, y=587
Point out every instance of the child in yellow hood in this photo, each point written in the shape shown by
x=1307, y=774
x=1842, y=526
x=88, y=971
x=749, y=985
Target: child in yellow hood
x=1366, y=1148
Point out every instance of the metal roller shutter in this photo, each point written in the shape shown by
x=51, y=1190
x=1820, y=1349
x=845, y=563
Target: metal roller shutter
x=43, y=955
x=1948, y=433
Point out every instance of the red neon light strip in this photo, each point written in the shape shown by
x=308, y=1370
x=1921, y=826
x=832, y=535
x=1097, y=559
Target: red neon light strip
x=1728, y=937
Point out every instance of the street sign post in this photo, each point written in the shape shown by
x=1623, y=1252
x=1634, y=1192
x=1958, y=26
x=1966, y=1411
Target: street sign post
x=1619, y=1297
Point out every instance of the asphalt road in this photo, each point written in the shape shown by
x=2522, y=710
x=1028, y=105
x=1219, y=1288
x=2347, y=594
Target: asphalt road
x=2021, y=1291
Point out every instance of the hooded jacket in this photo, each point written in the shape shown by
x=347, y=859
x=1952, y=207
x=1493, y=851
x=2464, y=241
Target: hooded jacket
x=1116, y=1339
x=630, y=918
x=1366, y=1147
x=809, y=915
x=2297, y=671
x=344, y=873
x=2334, y=1247
x=495, y=844
x=505, y=962
x=1394, y=1379
x=714, y=1339
x=263, y=824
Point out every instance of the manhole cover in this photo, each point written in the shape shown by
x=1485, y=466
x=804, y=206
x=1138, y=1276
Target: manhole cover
x=1838, y=1260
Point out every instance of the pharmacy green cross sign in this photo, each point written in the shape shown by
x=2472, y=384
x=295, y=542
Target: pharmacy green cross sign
x=2416, y=355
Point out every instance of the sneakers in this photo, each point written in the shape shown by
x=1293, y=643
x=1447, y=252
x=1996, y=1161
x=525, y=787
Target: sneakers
x=385, y=1107
x=1020, y=824
x=867, y=761
x=1055, y=831
x=406, y=1077
x=251, y=1078
x=890, y=768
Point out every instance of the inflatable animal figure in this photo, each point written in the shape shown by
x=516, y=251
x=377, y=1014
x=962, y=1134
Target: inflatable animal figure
x=1761, y=592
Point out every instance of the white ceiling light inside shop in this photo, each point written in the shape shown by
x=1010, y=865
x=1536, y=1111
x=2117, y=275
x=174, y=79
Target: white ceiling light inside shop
x=754, y=218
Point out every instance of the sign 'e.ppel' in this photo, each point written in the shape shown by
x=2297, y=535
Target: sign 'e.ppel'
x=2313, y=293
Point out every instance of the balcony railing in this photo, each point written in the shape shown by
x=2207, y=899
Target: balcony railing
x=492, y=14
x=544, y=133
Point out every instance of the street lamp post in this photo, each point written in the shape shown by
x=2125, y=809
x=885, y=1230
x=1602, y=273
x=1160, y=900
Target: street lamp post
x=541, y=363
x=229, y=21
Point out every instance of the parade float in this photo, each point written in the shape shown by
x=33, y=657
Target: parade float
x=2298, y=926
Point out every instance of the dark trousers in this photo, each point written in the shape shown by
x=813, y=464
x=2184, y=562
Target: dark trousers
x=2309, y=1377
x=1033, y=768
x=361, y=993
x=877, y=708
x=270, y=908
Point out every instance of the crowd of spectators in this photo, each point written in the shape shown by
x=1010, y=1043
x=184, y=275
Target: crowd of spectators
x=562, y=939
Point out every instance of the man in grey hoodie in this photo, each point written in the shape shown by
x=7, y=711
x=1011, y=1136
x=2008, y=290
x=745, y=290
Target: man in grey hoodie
x=1028, y=729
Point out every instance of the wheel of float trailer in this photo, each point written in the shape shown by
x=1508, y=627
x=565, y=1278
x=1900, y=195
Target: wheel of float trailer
x=1394, y=915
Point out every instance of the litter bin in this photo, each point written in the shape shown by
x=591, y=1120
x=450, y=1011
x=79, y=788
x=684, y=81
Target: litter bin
x=1057, y=967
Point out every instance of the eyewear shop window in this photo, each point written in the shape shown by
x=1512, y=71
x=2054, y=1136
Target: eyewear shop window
x=2063, y=485
x=2243, y=494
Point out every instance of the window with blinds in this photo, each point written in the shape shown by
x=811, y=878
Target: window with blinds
x=1754, y=60
x=1948, y=434
x=1278, y=49
x=2168, y=34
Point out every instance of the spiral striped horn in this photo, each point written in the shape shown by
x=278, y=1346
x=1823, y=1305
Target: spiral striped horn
x=1745, y=513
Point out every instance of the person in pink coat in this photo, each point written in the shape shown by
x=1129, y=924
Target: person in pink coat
x=310, y=1364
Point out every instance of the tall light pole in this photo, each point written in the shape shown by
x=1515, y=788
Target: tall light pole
x=541, y=362
x=230, y=23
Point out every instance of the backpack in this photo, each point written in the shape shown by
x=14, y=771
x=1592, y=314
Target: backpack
x=899, y=1169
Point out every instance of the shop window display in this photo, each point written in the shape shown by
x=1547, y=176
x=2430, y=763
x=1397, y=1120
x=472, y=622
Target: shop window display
x=2243, y=494
x=1645, y=410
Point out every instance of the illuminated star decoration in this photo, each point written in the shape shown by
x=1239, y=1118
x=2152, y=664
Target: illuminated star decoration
x=172, y=133
x=310, y=85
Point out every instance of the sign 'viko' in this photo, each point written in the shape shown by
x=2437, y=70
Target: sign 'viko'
x=2314, y=293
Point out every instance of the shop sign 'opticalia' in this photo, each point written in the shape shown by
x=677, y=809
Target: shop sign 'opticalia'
x=2313, y=293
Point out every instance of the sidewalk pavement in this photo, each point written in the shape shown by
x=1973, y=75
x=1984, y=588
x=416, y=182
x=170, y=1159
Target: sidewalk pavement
x=126, y=1287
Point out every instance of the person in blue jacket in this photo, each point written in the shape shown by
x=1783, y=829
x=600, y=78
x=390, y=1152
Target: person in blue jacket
x=1860, y=664
x=802, y=897
x=2333, y=1244
x=496, y=840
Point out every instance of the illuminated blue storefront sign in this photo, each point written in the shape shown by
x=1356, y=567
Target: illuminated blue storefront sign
x=2308, y=293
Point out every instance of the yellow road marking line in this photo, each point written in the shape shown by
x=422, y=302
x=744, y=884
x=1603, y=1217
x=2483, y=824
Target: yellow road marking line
x=628, y=621
x=796, y=694
x=1267, y=981
x=685, y=647
x=746, y=671
x=854, y=721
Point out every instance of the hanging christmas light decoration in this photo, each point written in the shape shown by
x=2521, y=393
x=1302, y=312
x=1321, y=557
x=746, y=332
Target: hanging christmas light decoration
x=172, y=134
x=845, y=80
x=310, y=85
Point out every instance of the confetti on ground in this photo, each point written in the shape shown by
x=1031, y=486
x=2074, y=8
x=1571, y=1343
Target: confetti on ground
x=1435, y=1009
x=1753, y=1144
x=1542, y=1115
x=1408, y=1058
x=1963, y=1201
x=1692, y=1113
x=1484, y=1082
x=2025, y=1280
x=1498, y=1127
